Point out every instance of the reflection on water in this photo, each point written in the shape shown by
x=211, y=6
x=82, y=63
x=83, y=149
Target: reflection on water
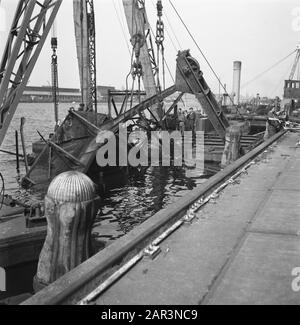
x=128, y=198
x=139, y=195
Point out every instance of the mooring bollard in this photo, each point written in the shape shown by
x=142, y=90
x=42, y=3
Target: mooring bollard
x=232, y=150
x=71, y=206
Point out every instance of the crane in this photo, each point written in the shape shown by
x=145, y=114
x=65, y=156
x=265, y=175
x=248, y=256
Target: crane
x=292, y=86
x=296, y=62
x=30, y=27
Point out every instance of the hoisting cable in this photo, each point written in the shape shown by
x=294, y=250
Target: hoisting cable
x=82, y=56
x=172, y=29
x=127, y=77
x=122, y=27
x=54, y=70
x=164, y=59
x=131, y=62
x=280, y=82
x=159, y=39
x=166, y=62
x=2, y=191
x=168, y=68
x=202, y=53
x=168, y=34
x=136, y=69
x=269, y=69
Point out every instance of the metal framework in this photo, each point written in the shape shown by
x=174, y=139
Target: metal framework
x=92, y=55
x=30, y=28
x=85, y=34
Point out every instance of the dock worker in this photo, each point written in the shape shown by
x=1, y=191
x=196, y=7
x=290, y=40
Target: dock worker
x=275, y=122
x=191, y=120
x=181, y=121
x=198, y=117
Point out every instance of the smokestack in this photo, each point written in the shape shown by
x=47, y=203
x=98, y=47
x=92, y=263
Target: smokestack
x=237, y=71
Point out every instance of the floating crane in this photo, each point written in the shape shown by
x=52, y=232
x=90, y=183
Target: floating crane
x=74, y=145
x=292, y=86
x=296, y=62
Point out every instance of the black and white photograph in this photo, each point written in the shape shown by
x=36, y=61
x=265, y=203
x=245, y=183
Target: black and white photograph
x=149, y=155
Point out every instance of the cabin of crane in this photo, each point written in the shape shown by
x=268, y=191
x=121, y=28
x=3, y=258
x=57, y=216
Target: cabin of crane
x=292, y=89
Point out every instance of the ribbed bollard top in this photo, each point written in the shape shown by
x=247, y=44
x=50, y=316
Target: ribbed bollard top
x=71, y=187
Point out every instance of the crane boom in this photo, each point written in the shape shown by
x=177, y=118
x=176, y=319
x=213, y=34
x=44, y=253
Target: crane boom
x=296, y=62
x=30, y=27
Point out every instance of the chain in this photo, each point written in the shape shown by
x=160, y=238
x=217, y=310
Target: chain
x=138, y=42
x=159, y=40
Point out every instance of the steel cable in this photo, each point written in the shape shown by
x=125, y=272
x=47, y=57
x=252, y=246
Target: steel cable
x=2, y=192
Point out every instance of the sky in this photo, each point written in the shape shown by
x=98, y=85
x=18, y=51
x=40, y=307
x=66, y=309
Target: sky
x=257, y=32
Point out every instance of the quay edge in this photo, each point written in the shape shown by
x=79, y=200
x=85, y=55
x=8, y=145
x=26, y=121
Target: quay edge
x=73, y=286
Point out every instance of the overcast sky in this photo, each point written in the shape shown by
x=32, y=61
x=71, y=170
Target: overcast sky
x=257, y=32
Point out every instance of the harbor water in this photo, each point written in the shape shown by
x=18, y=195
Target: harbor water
x=127, y=199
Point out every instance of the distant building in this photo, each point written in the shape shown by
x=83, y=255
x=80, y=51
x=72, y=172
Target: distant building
x=68, y=95
x=102, y=92
x=44, y=95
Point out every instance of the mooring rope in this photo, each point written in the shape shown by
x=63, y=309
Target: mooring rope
x=122, y=27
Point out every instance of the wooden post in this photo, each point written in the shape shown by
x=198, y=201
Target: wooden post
x=23, y=121
x=71, y=206
x=270, y=130
x=17, y=152
x=232, y=150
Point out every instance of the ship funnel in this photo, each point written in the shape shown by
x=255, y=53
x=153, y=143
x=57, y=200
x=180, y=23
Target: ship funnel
x=237, y=72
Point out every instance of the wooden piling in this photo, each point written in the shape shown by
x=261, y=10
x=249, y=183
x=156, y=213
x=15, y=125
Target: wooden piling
x=232, y=150
x=23, y=121
x=71, y=206
x=17, y=151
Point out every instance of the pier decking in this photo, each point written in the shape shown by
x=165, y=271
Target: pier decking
x=241, y=249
